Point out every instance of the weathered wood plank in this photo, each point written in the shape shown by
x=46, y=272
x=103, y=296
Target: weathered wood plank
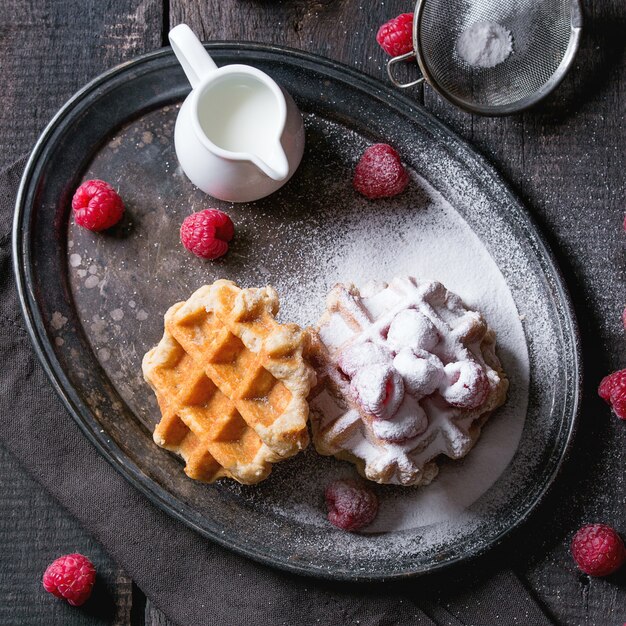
x=343, y=30
x=566, y=160
x=48, y=50
x=51, y=48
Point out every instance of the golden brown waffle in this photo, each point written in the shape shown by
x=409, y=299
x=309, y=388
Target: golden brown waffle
x=231, y=383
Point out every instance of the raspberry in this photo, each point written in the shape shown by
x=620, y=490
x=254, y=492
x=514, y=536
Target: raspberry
x=351, y=505
x=396, y=36
x=379, y=173
x=624, y=318
x=378, y=390
x=421, y=371
x=207, y=233
x=465, y=385
x=612, y=389
x=71, y=577
x=97, y=206
x=598, y=550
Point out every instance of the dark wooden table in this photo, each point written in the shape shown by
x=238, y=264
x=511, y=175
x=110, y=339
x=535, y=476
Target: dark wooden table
x=565, y=159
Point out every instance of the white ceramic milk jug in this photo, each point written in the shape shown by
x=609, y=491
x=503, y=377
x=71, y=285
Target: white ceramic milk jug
x=239, y=136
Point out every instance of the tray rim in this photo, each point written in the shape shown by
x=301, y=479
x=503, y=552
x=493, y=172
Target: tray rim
x=111, y=451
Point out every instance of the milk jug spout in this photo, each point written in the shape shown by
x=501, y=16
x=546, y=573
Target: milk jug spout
x=273, y=162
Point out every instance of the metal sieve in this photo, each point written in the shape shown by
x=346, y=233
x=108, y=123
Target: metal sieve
x=546, y=34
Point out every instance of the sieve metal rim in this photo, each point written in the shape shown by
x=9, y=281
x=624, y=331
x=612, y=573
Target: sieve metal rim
x=487, y=110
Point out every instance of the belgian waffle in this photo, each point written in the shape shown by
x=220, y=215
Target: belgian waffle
x=231, y=382
x=408, y=373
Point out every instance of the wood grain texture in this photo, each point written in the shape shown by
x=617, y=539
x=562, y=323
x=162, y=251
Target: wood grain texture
x=48, y=50
x=565, y=159
x=343, y=30
x=51, y=48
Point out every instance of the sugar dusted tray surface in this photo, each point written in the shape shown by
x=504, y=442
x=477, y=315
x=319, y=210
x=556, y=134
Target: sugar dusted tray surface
x=99, y=300
x=302, y=243
x=424, y=238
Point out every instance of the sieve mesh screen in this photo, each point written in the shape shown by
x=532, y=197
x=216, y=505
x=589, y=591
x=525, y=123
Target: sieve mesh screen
x=541, y=31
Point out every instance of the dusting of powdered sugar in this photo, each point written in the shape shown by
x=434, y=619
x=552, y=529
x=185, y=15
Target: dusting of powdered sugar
x=388, y=380
x=484, y=44
x=429, y=241
x=311, y=234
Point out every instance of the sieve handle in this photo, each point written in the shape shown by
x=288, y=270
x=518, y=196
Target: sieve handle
x=398, y=59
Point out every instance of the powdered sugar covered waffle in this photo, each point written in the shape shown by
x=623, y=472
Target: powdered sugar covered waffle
x=409, y=373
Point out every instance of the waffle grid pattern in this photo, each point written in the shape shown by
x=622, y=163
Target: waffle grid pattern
x=339, y=426
x=231, y=384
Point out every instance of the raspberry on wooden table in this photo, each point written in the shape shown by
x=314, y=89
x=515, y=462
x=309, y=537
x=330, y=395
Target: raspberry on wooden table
x=598, y=550
x=380, y=173
x=351, y=505
x=395, y=37
x=97, y=206
x=207, y=233
x=612, y=390
x=70, y=577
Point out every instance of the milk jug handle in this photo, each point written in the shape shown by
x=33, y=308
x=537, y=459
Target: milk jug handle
x=191, y=54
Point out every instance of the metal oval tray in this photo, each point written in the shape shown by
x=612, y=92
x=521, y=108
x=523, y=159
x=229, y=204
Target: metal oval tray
x=94, y=303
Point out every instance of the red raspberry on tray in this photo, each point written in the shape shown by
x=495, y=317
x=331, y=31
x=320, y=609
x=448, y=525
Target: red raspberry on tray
x=351, y=505
x=380, y=173
x=612, y=390
x=395, y=37
x=70, y=577
x=97, y=206
x=207, y=233
x=598, y=550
